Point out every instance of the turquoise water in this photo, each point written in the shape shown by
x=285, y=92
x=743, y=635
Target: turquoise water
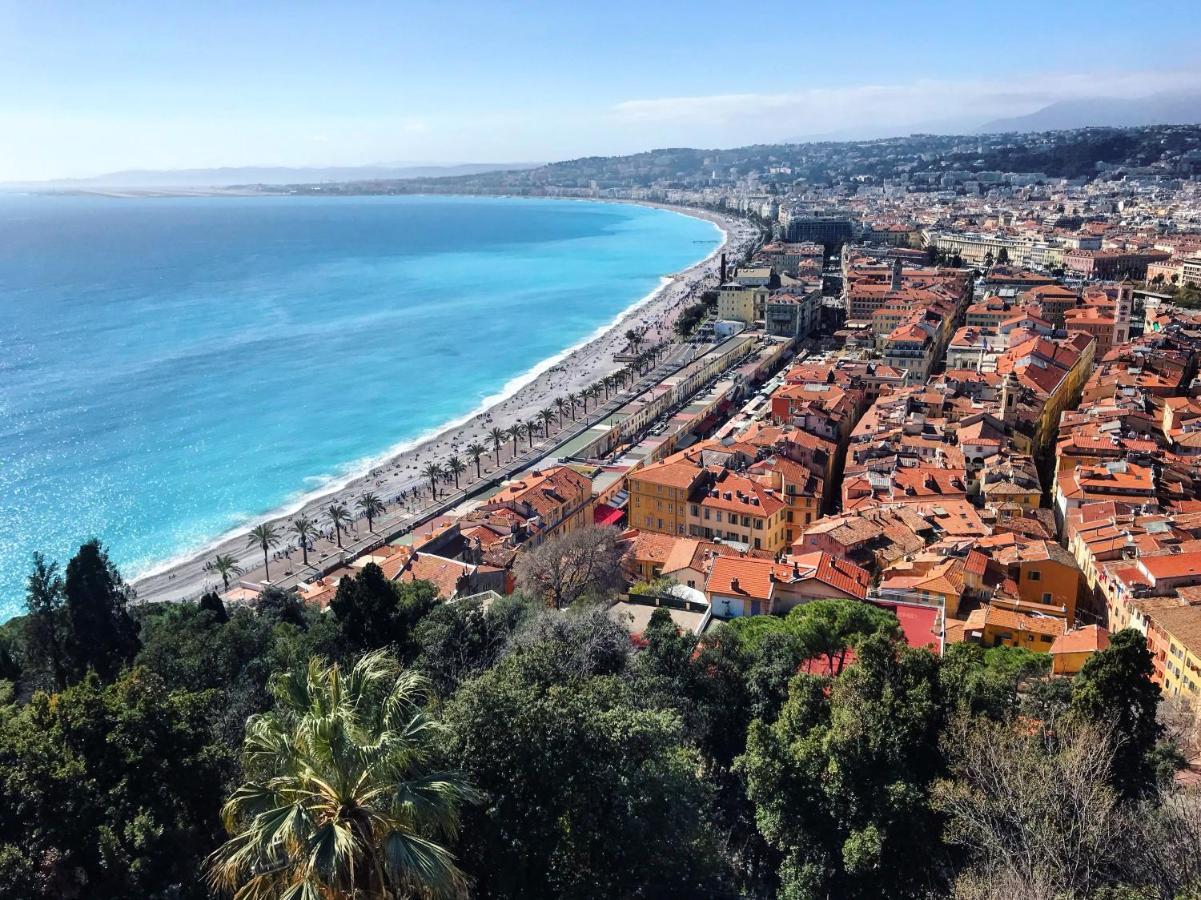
x=173, y=368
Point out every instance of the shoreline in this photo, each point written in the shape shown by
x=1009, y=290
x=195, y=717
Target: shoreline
x=398, y=469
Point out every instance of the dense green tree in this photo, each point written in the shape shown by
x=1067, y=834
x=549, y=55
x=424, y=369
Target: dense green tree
x=827, y=629
x=190, y=647
x=1114, y=690
x=278, y=606
x=365, y=606
x=777, y=658
x=210, y=601
x=702, y=679
x=985, y=681
x=459, y=640
x=555, y=648
x=373, y=612
x=109, y=790
x=100, y=634
x=589, y=793
x=45, y=625
x=341, y=798
x=840, y=780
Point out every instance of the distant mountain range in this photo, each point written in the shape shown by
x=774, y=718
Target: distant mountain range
x=275, y=175
x=1158, y=109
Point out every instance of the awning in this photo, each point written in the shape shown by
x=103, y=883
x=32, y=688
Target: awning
x=604, y=514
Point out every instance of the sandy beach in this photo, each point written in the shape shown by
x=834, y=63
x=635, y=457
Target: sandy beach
x=393, y=478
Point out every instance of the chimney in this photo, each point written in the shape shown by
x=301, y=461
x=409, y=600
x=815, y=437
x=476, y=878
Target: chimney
x=734, y=585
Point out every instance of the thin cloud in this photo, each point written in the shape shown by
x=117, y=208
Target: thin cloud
x=916, y=101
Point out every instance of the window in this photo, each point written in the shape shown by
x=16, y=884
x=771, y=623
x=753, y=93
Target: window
x=660, y=524
x=1047, y=597
x=746, y=521
x=696, y=510
x=706, y=514
x=757, y=544
x=717, y=515
x=1034, y=575
x=759, y=524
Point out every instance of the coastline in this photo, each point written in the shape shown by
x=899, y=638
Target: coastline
x=183, y=577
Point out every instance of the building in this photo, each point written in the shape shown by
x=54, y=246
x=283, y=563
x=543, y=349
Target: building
x=1111, y=265
x=829, y=231
x=741, y=303
x=745, y=586
x=993, y=626
x=1072, y=649
x=551, y=502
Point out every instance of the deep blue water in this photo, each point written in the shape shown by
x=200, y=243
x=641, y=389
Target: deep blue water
x=172, y=368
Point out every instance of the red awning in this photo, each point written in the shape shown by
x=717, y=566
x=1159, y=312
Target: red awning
x=604, y=514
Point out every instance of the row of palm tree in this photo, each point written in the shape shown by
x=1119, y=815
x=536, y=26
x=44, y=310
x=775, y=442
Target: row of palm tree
x=268, y=535
x=564, y=407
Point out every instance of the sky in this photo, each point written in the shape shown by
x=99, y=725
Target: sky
x=88, y=87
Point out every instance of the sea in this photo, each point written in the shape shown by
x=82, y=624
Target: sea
x=172, y=369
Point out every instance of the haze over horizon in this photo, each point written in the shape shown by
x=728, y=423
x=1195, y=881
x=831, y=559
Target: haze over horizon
x=93, y=89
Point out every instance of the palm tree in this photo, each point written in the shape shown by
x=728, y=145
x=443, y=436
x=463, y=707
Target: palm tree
x=370, y=506
x=499, y=436
x=434, y=473
x=594, y=392
x=342, y=799
x=516, y=432
x=339, y=515
x=475, y=451
x=561, y=406
x=303, y=528
x=635, y=339
x=454, y=468
x=546, y=416
x=572, y=400
x=608, y=383
x=225, y=565
x=264, y=536
x=531, y=427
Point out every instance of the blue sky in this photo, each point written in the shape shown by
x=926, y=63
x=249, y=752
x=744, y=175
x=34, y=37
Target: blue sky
x=92, y=87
